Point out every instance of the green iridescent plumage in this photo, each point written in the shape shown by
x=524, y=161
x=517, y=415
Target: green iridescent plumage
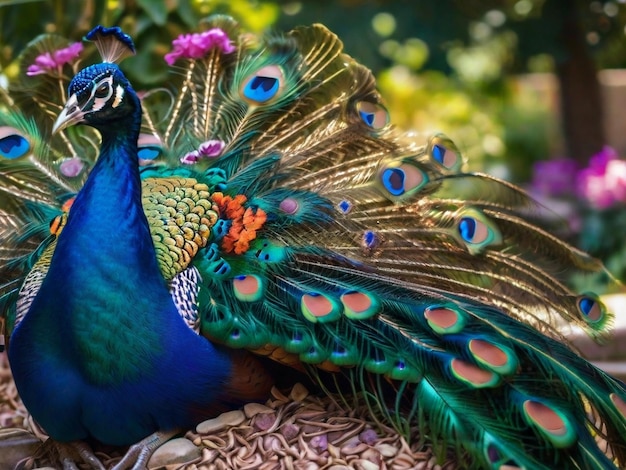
x=290, y=219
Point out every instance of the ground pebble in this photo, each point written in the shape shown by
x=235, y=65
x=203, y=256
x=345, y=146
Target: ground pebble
x=230, y=418
x=176, y=451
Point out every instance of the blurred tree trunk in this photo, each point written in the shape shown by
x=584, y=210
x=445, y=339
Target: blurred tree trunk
x=581, y=102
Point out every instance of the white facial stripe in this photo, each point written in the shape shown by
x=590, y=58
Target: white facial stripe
x=100, y=101
x=98, y=104
x=119, y=95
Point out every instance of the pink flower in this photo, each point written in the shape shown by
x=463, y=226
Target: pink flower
x=72, y=167
x=196, y=45
x=616, y=179
x=593, y=189
x=603, y=182
x=52, y=62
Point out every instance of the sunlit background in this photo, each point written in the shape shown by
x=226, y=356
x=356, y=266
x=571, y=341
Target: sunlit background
x=533, y=91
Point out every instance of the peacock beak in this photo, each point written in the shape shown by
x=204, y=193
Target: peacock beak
x=70, y=115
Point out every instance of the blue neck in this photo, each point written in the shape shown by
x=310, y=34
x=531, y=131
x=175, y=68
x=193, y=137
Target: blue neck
x=104, y=284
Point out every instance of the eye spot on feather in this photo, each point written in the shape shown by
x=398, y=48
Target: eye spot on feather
x=619, y=403
x=149, y=149
x=403, y=179
x=393, y=181
x=592, y=309
x=472, y=231
x=343, y=354
x=496, y=358
x=263, y=86
x=402, y=370
x=289, y=206
x=372, y=114
x=473, y=375
x=317, y=307
x=370, y=240
x=377, y=363
x=12, y=143
x=314, y=355
x=476, y=231
x=298, y=342
x=248, y=288
x=447, y=158
x=344, y=206
x=445, y=320
x=359, y=305
x=552, y=423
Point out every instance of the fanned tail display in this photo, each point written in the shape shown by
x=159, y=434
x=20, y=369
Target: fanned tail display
x=277, y=211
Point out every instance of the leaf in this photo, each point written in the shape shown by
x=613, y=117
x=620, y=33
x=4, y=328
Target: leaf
x=157, y=11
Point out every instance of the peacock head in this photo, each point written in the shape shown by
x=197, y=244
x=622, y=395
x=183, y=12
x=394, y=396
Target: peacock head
x=100, y=95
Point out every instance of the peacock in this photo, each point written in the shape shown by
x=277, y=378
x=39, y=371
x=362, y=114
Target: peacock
x=165, y=254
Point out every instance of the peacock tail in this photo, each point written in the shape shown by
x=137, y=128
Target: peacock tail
x=289, y=218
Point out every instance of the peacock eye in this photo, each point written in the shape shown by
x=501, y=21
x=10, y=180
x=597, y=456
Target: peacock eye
x=102, y=91
x=263, y=86
x=374, y=115
x=13, y=144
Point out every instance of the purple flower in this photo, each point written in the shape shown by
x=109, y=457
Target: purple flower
x=554, y=177
x=196, y=45
x=52, y=62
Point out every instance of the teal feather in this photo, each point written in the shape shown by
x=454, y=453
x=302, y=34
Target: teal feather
x=267, y=204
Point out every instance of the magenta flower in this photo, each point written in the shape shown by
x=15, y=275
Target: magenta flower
x=196, y=45
x=600, y=160
x=190, y=158
x=53, y=62
x=208, y=149
x=211, y=148
x=603, y=182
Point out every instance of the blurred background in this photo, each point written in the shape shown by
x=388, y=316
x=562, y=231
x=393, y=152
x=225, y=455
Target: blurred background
x=533, y=91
